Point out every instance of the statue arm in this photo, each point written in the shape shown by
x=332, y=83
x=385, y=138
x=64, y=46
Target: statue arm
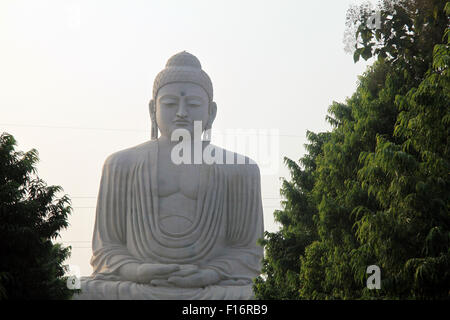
x=109, y=250
x=240, y=261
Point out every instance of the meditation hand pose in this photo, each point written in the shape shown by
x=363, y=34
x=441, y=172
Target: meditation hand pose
x=171, y=229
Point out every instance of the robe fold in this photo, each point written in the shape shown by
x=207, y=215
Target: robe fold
x=223, y=237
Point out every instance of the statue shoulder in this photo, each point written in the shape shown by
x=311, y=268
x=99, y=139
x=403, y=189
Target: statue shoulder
x=127, y=157
x=241, y=164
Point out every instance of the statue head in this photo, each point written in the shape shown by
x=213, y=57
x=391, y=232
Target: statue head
x=182, y=94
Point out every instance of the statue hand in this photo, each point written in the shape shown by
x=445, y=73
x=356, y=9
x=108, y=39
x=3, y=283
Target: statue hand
x=185, y=270
x=146, y=272
x=199, y=278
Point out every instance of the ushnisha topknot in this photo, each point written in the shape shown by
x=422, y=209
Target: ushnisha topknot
x=183, y=67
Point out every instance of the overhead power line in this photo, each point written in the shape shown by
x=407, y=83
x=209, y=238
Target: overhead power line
x=122, y=130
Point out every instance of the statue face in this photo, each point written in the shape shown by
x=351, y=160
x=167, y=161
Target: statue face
x=178, y=105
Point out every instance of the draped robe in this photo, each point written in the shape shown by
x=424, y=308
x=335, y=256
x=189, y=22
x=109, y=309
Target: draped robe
x=223, y=237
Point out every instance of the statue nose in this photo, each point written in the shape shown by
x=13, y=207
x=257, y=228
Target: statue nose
x=182, y=113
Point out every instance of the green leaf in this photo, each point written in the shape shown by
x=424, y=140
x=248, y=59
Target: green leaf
x=356, y=55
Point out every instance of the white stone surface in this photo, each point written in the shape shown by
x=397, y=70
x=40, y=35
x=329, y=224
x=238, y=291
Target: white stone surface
x=168, y=231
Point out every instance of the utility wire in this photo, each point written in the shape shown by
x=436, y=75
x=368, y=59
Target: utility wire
x=123, y=130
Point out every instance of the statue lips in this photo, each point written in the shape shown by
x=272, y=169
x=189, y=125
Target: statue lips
x=181, y=122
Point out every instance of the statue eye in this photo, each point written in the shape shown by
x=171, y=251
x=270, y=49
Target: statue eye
x=168, y=101
x=194, y=103
x=170, y=104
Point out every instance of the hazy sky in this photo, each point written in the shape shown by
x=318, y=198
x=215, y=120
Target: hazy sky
x=76, y=78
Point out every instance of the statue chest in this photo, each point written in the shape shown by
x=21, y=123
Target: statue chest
x=177, y=193
x=183, y=179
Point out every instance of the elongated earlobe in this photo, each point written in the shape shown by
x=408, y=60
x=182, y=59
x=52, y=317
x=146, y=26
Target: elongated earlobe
x=152, y=110
x=207, y=134
x=212, y=110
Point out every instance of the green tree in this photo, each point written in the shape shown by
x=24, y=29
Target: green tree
x=414, y=191
x=381, y=182
x=30, y=218
x=281, y=263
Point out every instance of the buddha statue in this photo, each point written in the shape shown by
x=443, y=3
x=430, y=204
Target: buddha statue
x=170, y=230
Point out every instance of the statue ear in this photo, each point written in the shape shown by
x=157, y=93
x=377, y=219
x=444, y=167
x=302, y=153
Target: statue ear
x=212, y=113
x=152, y=109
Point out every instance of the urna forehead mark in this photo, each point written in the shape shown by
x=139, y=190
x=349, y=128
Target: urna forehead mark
x=182, y=89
